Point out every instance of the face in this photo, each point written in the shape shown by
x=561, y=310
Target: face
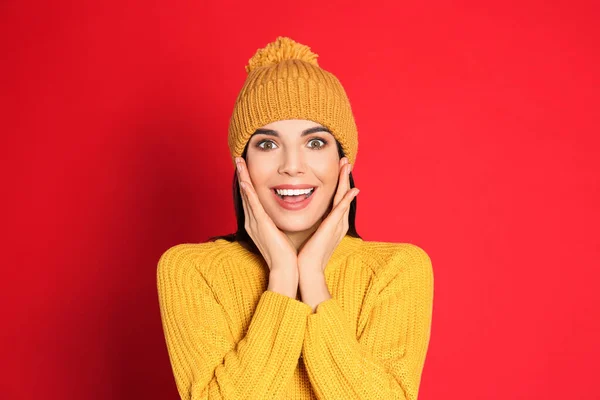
x=294, y=155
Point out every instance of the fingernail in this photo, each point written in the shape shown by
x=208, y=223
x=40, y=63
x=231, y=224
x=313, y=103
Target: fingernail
x=243, y=185
x=349, y=168
x=356, y=192
x=239, y=166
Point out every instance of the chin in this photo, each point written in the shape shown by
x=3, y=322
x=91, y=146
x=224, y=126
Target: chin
x=295, y=224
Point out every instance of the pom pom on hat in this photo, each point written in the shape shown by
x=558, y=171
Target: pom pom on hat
x=283, y=48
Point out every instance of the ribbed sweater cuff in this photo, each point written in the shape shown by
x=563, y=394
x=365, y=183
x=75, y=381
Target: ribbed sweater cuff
x=330, y=345
x=288, y=314
x=270, y=351
x=329, y=322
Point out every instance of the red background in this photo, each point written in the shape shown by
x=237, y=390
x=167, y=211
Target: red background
x=478, y=126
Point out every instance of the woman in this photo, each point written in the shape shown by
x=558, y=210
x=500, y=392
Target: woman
x=295, y=305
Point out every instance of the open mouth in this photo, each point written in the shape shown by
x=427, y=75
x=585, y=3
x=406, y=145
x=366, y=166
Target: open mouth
x=294, y=194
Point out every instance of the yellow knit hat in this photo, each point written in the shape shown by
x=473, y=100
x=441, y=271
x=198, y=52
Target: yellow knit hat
x=285, y=82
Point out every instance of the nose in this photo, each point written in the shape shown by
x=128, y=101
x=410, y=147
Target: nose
x=292, y=163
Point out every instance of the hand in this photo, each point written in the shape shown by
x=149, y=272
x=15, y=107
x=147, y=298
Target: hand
x=275, y=247
x=316, y=252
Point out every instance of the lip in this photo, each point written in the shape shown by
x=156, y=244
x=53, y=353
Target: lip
x=293, y=206
x=293, y=187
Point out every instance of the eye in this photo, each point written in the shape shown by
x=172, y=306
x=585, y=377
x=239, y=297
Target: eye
x=318, y=146
x=266, y=145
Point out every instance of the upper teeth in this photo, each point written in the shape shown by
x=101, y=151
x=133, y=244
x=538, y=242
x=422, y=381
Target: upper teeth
x=293, y=192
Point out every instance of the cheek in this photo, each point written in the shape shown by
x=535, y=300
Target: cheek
x=329, y=177
x=258, y=172
x=325, y=167
x=256, y=176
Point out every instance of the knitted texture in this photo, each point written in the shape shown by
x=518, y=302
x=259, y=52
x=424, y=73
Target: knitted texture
x=230, y=338
x=285, y=81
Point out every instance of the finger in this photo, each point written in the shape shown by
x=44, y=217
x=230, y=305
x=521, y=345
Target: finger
x=256, y=207
x=342, y=188
x=251, y=197
x=250, y=222
x=350, y=168
x=345, y=217
x=343, y=182
x=243, y=195
x=244, y=201
x=338, y=212
x=238, y=169
x=244, y=175
x=335, y=219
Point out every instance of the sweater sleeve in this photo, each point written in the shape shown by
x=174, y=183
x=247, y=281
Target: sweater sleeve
x=388, y=359
x=206, y=362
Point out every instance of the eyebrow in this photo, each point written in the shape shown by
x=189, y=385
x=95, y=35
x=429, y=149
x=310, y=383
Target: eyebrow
x=305, y=132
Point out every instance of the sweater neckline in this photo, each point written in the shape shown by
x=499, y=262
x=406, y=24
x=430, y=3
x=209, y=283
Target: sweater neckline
x=347, y=246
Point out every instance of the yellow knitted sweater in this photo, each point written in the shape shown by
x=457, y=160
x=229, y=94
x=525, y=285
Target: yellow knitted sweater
x=230, y=338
